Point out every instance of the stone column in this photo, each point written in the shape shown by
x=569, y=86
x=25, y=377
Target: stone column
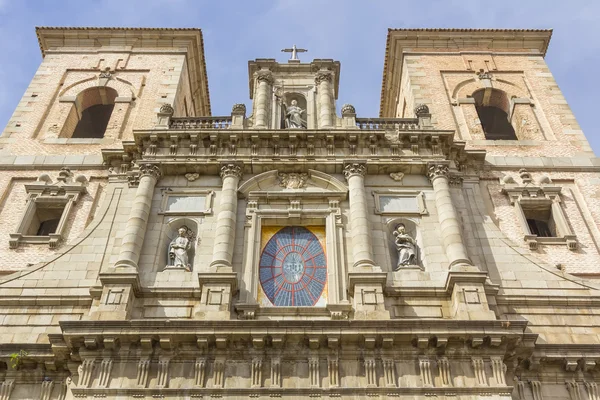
x=225, y=231
x=359, y=222
x=264, y=80
x=135, y=230
x=449, y=225
x=326, y=112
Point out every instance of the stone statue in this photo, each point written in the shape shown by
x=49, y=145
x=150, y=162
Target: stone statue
x=179, y=248
x=406, y=246
x=293, y=116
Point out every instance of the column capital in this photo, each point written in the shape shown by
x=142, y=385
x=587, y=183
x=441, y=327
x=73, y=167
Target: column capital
x=323, y=76
x=352, y=169
x=437, y=171
x=264, y=75
x=231, y=170
x=150, y=170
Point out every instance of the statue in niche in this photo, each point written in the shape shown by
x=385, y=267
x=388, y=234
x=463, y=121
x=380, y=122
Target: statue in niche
x=406, y=246
x=179, y=249
x=293, y=116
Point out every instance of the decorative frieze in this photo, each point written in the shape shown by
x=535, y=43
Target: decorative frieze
x=256, y=375
x=275, y=371
x=85, y=370
x=592, y=390
x=105, y=370
x=479, y=371
x=162, y=380
x=313, y=371
x=498, y=370
x=46, y=392
x=536, y=389
x=573, y=389
x=219, y=372
x=371, y=371
x=444, y=371
x=6, y=389
x=143, y=369
x=389, y=372
x=333, y=371
x=425, y=371
x=199, y=372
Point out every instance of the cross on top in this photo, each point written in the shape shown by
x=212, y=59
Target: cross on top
x=294, y=50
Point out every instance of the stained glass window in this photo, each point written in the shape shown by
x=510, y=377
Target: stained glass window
x=293, y=268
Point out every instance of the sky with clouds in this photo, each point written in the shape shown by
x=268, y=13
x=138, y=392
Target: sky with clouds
x=351, y=31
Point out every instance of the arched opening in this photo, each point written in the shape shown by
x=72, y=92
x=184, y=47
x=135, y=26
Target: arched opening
x=493, y=107
x=91, y=113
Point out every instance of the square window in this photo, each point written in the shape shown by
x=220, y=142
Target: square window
x=45, y=219
x=540, y=222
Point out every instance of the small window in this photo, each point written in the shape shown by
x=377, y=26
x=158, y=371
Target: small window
x=492, y=107
x=45, y=219
x=541, y=222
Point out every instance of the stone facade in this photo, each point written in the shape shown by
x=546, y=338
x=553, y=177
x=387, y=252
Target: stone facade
x=231, y=257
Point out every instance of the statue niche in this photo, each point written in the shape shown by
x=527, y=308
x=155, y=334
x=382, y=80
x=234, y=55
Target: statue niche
x=406, y=248
x=180, y=249
x=293, y=111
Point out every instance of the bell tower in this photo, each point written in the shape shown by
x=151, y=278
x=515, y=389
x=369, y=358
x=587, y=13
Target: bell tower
x=295, y=95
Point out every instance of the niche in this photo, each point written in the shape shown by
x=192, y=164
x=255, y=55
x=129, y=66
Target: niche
x=286, y=102
x=170, y=256
x=404, y=245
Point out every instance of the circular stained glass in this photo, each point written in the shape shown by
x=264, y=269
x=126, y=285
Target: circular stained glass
x=293, y=268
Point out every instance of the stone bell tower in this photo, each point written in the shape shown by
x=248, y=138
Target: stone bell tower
x=313, y=86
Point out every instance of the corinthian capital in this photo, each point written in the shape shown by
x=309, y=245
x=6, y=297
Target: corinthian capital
x=231, y=170
x=264, y=75
x=354, y=169
x=437, y=171
x=323, y=76
x=150, y=170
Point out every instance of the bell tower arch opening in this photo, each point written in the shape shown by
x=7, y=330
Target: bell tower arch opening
x=493, y=108
x=91, y=113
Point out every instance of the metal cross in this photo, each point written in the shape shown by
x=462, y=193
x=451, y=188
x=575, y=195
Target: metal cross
x=294, y=50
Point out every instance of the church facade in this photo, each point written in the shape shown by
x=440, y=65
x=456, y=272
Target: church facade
x=448, y=248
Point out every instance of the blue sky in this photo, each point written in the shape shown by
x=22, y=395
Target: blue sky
x=351, y=31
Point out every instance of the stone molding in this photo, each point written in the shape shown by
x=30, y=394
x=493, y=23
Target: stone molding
x=348, y=109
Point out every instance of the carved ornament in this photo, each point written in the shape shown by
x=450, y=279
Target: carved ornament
x=421, y=110
x=293, y=180
x=355, y=169
x=348, y=109
x=167, y=109
x=437, y=171
x=239, y=109
x=150, y=170
x=323, y=76
x=264, y=76
x=397, y=176
x=231, y=170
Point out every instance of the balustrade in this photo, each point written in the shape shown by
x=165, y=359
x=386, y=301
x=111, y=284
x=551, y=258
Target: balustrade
x=372, y=124
x=200, y=122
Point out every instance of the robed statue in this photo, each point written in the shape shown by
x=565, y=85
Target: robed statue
x=406, y=247
x=179, y=248
x=293, y=116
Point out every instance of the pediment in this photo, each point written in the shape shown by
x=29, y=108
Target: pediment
x=293, y=184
